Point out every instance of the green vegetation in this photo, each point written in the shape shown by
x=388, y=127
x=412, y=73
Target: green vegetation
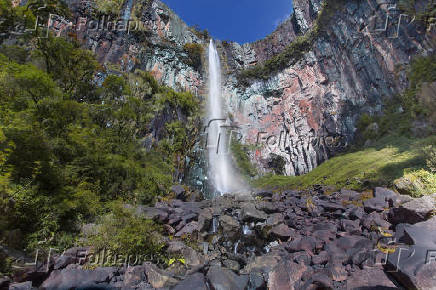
x=242, y=159
x=121, y=231
x=396, y=157
x=296, y=49
x=195, y=52
x=379, y=165
x=430, y=153
x=423, y=13
x=109, y=7
x=202, y=34
x=400, y=112
x=416, y=183
x=70, y=146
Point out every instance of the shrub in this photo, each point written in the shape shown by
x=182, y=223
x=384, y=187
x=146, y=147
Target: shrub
x=109, y=7
x=416, y=183
x=123, y=232
x=430, y=154
x=195, y=52
x=241, y=156
x=296, y=49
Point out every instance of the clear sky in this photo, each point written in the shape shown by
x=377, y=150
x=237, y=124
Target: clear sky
x=237, y=20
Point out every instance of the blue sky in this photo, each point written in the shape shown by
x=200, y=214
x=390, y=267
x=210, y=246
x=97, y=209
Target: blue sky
x=236, y=20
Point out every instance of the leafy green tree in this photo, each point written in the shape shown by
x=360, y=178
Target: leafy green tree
x=70, y=66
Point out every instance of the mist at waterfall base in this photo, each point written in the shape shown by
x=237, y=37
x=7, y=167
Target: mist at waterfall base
x=223, y=176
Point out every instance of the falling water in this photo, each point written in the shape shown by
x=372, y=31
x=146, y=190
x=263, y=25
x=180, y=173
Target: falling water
x=127, y=10
x=214, y=227
x=235, y=249
x=223, y=176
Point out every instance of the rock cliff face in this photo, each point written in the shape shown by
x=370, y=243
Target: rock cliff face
x=308, y=111
x=148, y=36
x=300, y=115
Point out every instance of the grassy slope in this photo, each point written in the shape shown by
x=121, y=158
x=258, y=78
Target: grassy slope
x=388, y=160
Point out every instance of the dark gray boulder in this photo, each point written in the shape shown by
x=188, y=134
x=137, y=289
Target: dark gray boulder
x=135, y=276
x=375, y=204
x=188, y=229
x=179, y=191
x=414, y=211
x=413, y=264
x=21, y=286
x=249, y=213
x=78, y=278
x=224, y=279
x=192, y=282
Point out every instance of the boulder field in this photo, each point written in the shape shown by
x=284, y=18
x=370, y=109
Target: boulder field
x=313, y=239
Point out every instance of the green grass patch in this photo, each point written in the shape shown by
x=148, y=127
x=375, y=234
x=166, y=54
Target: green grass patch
x=379, y=165
x=242, y=159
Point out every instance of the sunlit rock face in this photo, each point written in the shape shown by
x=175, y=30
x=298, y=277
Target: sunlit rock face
x=153, y=42
x=307, y=112
x=301, y=115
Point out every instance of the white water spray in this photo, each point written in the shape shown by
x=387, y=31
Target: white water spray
x=221, y=172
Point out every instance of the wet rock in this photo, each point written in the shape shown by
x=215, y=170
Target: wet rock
x=223, y=279
x=229, y=225
x=370, y=278
x=249, y=213
x=414, y=211
x=282, y=232
x=188, y=229
x=192, y=282
x=205, y=219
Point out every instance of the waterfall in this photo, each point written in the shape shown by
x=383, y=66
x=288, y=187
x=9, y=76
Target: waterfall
x=223, y=176
x=128, y=5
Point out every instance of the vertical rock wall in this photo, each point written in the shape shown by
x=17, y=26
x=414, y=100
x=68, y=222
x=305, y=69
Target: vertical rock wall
x=307, y=112
x=300, y=115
